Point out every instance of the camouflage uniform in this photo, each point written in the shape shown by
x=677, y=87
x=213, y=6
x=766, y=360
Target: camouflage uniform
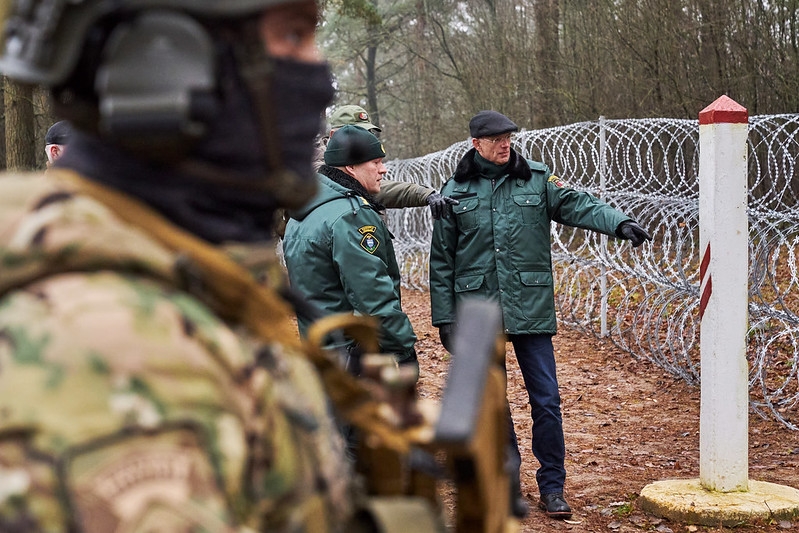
x=113, y=331
x=150, y=379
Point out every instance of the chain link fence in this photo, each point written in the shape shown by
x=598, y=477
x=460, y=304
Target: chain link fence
x=646, y=300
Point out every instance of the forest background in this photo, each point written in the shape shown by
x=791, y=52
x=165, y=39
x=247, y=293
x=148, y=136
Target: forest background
x=422, y=68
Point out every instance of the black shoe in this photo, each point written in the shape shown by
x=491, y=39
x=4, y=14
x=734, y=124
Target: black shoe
x=555, y=506
x=519, y=506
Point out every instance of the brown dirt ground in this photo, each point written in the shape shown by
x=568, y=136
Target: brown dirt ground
x=627, y=424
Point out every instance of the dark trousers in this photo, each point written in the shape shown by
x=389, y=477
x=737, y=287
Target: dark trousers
x=536, y=358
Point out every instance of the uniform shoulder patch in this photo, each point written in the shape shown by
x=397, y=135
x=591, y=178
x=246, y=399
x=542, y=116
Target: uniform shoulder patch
x=556, y=181
x=160, y=482
x=369, y=242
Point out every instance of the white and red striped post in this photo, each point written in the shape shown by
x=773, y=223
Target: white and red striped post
x=723, y=308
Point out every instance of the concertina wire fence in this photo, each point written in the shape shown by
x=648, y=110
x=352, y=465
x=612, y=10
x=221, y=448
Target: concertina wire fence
x=646, y=300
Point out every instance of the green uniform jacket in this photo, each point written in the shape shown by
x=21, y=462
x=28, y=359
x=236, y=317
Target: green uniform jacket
x=339, y=255
x=497, y=245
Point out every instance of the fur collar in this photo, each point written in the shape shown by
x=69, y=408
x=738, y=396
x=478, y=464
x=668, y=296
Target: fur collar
x=467, y=168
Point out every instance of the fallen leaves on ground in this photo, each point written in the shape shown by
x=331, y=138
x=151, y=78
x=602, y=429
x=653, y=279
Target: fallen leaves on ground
x=627, y=423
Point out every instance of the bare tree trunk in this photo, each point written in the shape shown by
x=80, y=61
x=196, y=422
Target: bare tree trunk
x=547, y=21
x=20, y=134
x=371, y=72
x=3, y=129
x=43, y=118
x=371, y=84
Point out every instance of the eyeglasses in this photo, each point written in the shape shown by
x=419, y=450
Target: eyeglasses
x=499, y=139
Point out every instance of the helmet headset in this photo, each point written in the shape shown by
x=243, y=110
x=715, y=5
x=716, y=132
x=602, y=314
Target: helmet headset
x=143, y=73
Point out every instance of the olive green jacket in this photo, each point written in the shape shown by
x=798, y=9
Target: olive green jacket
x=398, y=194
x=497, y=246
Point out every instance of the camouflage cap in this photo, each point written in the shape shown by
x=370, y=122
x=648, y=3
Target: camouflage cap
x=354, y=115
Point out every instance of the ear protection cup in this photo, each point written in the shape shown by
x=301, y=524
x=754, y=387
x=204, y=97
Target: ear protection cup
x=156, y=84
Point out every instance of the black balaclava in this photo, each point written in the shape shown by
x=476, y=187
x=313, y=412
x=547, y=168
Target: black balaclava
x=218, y=210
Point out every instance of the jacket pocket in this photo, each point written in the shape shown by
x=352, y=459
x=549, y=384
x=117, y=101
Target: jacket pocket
x=469, y=283
x=531, y=207
x=536, y=294
x=466, y=214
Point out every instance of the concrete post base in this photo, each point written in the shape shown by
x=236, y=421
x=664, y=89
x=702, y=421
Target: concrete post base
x=686, y=501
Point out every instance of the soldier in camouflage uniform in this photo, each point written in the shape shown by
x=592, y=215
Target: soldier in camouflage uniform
x=147, y=382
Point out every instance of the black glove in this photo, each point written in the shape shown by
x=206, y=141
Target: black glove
x=445, y=333
x=439, y=205
x=629, y=229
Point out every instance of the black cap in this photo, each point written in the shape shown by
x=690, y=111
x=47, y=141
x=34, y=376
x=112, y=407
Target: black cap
x=488, y=123
x=352, y=145
x=58, y=133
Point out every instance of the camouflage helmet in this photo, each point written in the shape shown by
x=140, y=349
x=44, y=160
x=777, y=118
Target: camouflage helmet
x=42, y=40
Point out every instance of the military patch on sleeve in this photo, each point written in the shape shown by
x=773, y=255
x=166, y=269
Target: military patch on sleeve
x=146, y=482
x=556, y=180
x=369, y=242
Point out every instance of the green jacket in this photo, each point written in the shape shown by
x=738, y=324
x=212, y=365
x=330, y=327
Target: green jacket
x=340, y=256
x=497, y=246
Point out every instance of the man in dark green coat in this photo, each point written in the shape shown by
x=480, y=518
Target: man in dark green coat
x=497, y=247
x=338, y=251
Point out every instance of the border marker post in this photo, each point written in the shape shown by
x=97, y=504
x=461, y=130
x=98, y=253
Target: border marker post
x=724, y=296
x=723, y=494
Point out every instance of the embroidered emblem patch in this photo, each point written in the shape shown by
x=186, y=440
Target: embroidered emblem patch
x=161, y=482
x=363, y=117
x=556, y=180
x=369, y=242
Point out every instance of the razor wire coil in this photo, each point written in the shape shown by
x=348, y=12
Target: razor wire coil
x=649, y=169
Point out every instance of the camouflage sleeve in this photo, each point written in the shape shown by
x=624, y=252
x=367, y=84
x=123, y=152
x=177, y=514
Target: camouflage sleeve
x=398, y=194
x=84, y=355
